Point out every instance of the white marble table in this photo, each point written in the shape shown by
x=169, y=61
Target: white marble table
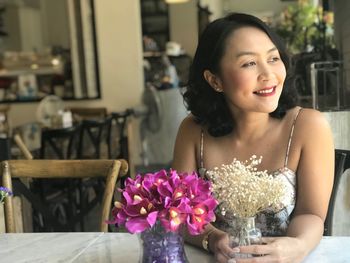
x=120, y=247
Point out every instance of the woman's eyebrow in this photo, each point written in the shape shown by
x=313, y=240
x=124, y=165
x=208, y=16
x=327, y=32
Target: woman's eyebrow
x=250, y=53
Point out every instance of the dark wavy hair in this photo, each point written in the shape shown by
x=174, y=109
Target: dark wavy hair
x=209, y=107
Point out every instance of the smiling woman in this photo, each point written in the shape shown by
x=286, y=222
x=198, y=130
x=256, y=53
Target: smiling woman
x=242, y=105
x=50, y=48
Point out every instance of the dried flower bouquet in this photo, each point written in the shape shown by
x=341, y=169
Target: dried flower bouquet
x=243, y=190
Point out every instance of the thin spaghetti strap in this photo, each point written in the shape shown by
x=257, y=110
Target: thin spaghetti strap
x=290, y=137
x=201, y=162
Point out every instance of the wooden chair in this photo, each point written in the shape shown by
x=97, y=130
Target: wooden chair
x=12, y=169
x=23, y=148
x=24, y=204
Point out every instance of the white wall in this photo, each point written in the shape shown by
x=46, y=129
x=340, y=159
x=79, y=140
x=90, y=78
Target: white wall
x=340, y=124
x=120, y=60
x=183, y=20
x=255, y=7
x=183, y=23
x=55, y=29
x=215, y=7
x=21, y=20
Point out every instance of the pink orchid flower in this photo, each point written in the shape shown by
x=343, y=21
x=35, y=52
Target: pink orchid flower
x=175, y=199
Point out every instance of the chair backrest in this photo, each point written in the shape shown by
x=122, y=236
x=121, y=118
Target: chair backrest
x=95, y=131
x=62, y=169
x=59, y=141
x=124, y=129
x=342, y=162
x=88, y=112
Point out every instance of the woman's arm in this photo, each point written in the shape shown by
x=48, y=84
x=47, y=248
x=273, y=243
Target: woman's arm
x=185, y=160
x=315, y=174
x=187, y=138
x=315, y=180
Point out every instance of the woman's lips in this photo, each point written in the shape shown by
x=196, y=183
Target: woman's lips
x=266, y=92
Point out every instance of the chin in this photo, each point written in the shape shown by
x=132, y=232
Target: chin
x=273, y=108
x=269, y=109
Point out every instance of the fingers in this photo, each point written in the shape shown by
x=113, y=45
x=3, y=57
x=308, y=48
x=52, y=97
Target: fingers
x=262, y=259
x=226, y=255
x=256, y=249
x=228, y=251
x=223, y=252
x=221, y=258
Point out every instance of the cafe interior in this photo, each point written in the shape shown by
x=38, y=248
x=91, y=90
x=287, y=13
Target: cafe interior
x=91, y=94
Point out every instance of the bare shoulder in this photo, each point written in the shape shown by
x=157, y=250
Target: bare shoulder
x=313, y=117
x=308, y=120
x=187, y=140
x=311, y=122
x=189, y=127
x=311, y=127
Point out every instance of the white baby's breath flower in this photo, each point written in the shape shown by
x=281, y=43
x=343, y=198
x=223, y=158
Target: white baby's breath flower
x=244, y=190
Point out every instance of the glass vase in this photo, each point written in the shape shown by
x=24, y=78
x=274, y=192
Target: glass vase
x=244, y=233
x=159, y=246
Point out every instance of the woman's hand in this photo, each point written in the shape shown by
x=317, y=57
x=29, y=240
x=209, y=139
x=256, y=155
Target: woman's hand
x=219, y=245
x=275, y=249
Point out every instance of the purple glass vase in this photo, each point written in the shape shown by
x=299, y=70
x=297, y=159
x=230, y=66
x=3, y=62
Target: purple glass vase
x=159, y=246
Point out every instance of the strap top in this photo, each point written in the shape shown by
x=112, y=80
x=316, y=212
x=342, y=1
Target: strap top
x=290, y=137
x=202, y=169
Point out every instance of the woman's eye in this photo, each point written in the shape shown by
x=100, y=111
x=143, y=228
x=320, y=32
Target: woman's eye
x=249, y=64
x=274, y=59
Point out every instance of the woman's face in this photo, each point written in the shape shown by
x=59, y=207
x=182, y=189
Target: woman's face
x=251, y=71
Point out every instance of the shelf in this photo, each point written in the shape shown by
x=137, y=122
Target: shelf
x=155, y=21
x=150, y=14
x=40, y=71
x=160, y=32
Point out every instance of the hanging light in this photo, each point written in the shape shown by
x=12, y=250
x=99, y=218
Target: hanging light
x=175, y=1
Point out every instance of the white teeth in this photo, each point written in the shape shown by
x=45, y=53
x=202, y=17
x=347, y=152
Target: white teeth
x=264, y=91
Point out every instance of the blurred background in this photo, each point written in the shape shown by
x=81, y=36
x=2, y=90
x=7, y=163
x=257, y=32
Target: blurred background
x=104, y=79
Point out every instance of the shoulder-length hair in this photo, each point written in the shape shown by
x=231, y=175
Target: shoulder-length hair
x=209, y=107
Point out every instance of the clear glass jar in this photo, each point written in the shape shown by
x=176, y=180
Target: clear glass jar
x=244, y=233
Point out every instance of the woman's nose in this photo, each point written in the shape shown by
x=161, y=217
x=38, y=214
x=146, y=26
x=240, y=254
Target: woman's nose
x=266, y=73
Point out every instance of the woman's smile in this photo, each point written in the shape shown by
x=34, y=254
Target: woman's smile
x=265, y=92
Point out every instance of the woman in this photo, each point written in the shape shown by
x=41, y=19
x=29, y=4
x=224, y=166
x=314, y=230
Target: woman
x=241, y=104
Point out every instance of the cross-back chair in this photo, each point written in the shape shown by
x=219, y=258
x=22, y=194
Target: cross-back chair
x=60, y=141
x=13, y=169
x=95, y=131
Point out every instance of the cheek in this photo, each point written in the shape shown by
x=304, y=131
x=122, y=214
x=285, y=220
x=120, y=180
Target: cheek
x=237, y=79
x=282, y=73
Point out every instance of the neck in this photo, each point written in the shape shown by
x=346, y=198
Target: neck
x=250, y=127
